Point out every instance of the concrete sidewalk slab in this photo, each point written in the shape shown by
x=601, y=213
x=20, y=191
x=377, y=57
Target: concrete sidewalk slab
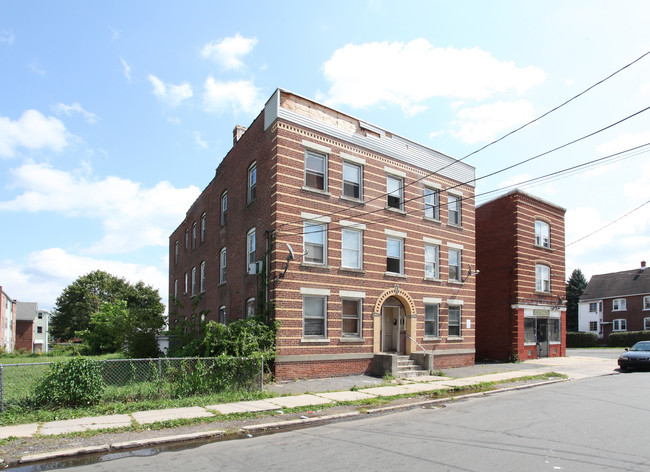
x=427, y=378
x=154, y=416
x=243, y=407
x=346, y=396
x=18, y=431
x=299, y=400
x=85, y=424
x=388, y=391
x=422, y=387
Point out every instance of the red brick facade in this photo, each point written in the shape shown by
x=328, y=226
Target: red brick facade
x=287, y=200
x=519, y=292
x=25, y=335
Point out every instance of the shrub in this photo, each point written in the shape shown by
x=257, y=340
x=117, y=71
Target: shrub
x=577, y=339
x=78, y=381
x=627, y=338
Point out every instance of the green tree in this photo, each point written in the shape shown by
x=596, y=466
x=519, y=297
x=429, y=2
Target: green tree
x=109, y=328
x=574, y=288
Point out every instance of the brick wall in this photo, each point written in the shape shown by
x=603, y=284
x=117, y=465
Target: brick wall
x=25, y=335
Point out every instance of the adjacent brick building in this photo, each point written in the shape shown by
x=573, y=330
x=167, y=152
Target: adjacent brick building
x=7, y=322
x=382, y=233
x=519, y=293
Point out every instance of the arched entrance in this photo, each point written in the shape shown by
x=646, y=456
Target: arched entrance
x=394, y=319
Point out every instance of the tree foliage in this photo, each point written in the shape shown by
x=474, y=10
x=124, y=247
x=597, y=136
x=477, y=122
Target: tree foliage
x=574, y=288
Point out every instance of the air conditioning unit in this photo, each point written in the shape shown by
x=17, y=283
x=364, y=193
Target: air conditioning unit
x=255, y=268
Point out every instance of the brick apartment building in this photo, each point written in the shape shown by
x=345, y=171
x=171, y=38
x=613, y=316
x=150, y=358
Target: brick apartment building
x=521, y=287
x=7, y=322
x=615, y=302
x=382, y=232
x=32, y=327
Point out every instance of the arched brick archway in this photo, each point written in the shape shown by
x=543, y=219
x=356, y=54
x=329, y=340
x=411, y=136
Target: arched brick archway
x=411, y=317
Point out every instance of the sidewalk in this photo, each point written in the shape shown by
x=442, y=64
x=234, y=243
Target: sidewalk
x=316, y=393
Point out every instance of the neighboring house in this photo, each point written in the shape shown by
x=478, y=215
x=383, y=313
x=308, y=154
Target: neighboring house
x=7, y=322
x=619, y=301
x=32, y=327
x=41, y=331
x=382, y=232
x=520, y=313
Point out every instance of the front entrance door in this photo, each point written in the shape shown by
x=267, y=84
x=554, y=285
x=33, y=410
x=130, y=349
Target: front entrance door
x=393, y=326
x=542, y=337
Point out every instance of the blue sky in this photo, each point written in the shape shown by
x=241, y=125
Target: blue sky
x=114, y=115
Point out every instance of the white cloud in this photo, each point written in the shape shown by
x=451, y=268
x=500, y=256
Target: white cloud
x=36, y=67
x=33, y=131
x=133, y=217
x=638, y=190
x=199, y=140
x=228, y=51
x=74, y=108
x=407, y=74
x=645, y=89
x=514, y=180
x=171, y=94
x=46, y=273
x=485, y=122
x=127, y=69
x=7, y=37
x=236, y=96
x=624, y=141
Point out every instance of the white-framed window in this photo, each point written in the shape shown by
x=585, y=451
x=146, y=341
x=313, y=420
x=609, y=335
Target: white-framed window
x=187, y=238
x=593, y=307
x=314, y=313
x=454, y=327
x=176, y=252
x=351, y=248
x=250, y=308
x=185, y=289
x=554, y=333
x=222, y=314
x=193, y=281
x=431, y=314
x=455, y=260
x=204, y=226
x=646, y=324
x=252, y=182
x=39, y=330
x=202, y=278
x=315, y=170
x=431, y=203
x=542, y=234
x=593, y=326
x=176, y=288
x=315, y=242
x=431, y=261
x=395, y=192
x=224, y=208
x=646, y=303
x=352, y=180
x=542, y=278
x=222, y=266
x=250, y=251
x=619, y=324
x=619, y=304
x=395, y=255
x=351, y=310
x=454, y=209
x=530, y=328
x=194, y=235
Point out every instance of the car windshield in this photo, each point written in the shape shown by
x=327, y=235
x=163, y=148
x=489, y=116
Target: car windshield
x=645, y=346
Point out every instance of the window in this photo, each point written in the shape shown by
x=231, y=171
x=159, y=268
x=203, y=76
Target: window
x=194, y=235
x=250, y=308
x=176, y=288
x=453, y=208
x=529, y=330
x=314, y=319
x=252, y=182
x=185, y=291
x=40, y=316
x=395, y=255
x=646, y=303
x=554, y=330
x=351, y=318
x=39, y=329
x=431, y=254
x=593, y=307
x=250, y=251
x=454, y=321
x=202, y=278
x=542, y=278
x=593, y=326
x=620, y=324
x=542, y=234
x=193, y=281
x=431, y=312
x=351, y=248
x=431, y=203
x=187, y=238
x=315, y=242
x=176, y=252
x=454, y=264
x=394, y=191
x=315, y=170
x=204, y=223
x=646, y=324
x=352, y=180
x=619, y=304
x=222, y=266
x=224, y=208
x=222, y=314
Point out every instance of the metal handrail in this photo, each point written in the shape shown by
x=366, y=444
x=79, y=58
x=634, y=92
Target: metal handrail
x=419, y=345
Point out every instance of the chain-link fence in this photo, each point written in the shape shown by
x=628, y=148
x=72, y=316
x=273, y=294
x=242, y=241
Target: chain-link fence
x=141, y=379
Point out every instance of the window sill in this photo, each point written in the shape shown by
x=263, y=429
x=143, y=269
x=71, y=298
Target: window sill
x=432, y=279
x=432, y=220
x=314, y=340
x=530, y=344
x=454, y=338
x=454, y=225
x=548, y=248
x=325, y=193
x=351, y=339
x=352, y=199
x=539, y=292
x=393, y=274
x=617, y=311
x=432, y=338
x=395, y=210
x=314, y=265
x=221, y=284
x=456, y=282
x=349, y=269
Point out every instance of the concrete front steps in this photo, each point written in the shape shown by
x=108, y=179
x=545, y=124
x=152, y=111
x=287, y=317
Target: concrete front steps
x=407, y=367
